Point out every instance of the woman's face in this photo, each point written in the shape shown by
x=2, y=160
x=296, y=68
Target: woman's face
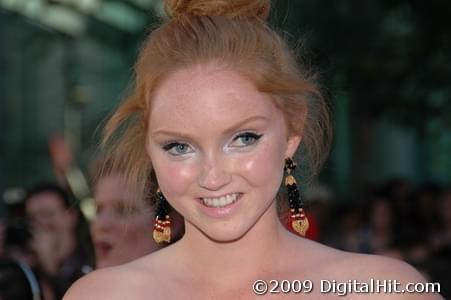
x=122, y=229
x=218, y=147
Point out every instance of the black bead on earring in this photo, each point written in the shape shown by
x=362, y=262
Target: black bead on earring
x=299, y=221
x=162, y=227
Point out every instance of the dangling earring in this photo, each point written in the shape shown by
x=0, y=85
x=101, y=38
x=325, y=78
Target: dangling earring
x=299, y=221
x=162, y=227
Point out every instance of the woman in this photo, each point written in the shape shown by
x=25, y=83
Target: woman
x=122, y=228
x=218, y=111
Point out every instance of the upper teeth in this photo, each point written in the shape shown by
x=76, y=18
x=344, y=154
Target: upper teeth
x=221, y=201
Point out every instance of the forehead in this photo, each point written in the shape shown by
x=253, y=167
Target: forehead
x=45, y=200
x=206, y=94
x=109, y=182
x=112, y=188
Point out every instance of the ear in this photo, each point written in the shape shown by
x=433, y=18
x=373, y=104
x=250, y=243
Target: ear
x=292, y=144
x=294, y=138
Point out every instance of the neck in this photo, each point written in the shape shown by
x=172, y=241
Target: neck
x=246, y=257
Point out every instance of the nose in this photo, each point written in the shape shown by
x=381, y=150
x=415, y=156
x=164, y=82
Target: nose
x=214, y=174
x=103, y=222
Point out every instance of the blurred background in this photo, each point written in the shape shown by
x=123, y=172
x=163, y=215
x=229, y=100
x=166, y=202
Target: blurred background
x=65, y=65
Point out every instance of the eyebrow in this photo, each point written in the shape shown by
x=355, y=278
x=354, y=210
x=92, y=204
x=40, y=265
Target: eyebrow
x=228, y=130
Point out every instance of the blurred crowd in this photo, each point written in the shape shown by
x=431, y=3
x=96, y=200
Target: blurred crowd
x=407, y=221
x=46, y=243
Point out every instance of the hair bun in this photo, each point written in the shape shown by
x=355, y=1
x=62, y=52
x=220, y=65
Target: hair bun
x=227, y=8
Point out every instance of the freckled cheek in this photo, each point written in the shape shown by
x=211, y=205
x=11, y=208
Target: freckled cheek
x=137, y=228
x=176, y=178
x=263, y=167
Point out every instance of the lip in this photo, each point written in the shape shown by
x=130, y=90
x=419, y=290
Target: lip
x=219, y=212
x=103, y=248
x=218, y=196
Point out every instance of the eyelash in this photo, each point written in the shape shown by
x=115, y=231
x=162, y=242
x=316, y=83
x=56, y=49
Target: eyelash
x=248, y=134
x=172, y=144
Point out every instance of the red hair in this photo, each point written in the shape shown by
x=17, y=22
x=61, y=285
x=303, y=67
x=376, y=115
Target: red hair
x=233, y=34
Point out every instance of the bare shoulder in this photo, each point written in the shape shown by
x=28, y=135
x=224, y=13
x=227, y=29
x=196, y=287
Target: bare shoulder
x=340, y=263
x=394, y=272
x=376, y=265
x=330, y=268
x=129, y=281
x=396, y=279
x=92, y=285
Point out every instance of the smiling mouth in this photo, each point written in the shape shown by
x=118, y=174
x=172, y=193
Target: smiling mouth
x=221, y=201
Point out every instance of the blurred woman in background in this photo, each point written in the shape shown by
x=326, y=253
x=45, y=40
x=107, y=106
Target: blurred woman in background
x=123, y=225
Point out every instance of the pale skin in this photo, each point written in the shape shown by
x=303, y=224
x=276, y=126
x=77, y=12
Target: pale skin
x=53, y=229
x=206, y=114
x=120, y=233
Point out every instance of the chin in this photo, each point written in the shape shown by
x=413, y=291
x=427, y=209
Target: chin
x=103, y=264
x=222, y=233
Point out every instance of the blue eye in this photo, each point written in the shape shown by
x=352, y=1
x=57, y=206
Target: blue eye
x=177, y=148
x=246, y=139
